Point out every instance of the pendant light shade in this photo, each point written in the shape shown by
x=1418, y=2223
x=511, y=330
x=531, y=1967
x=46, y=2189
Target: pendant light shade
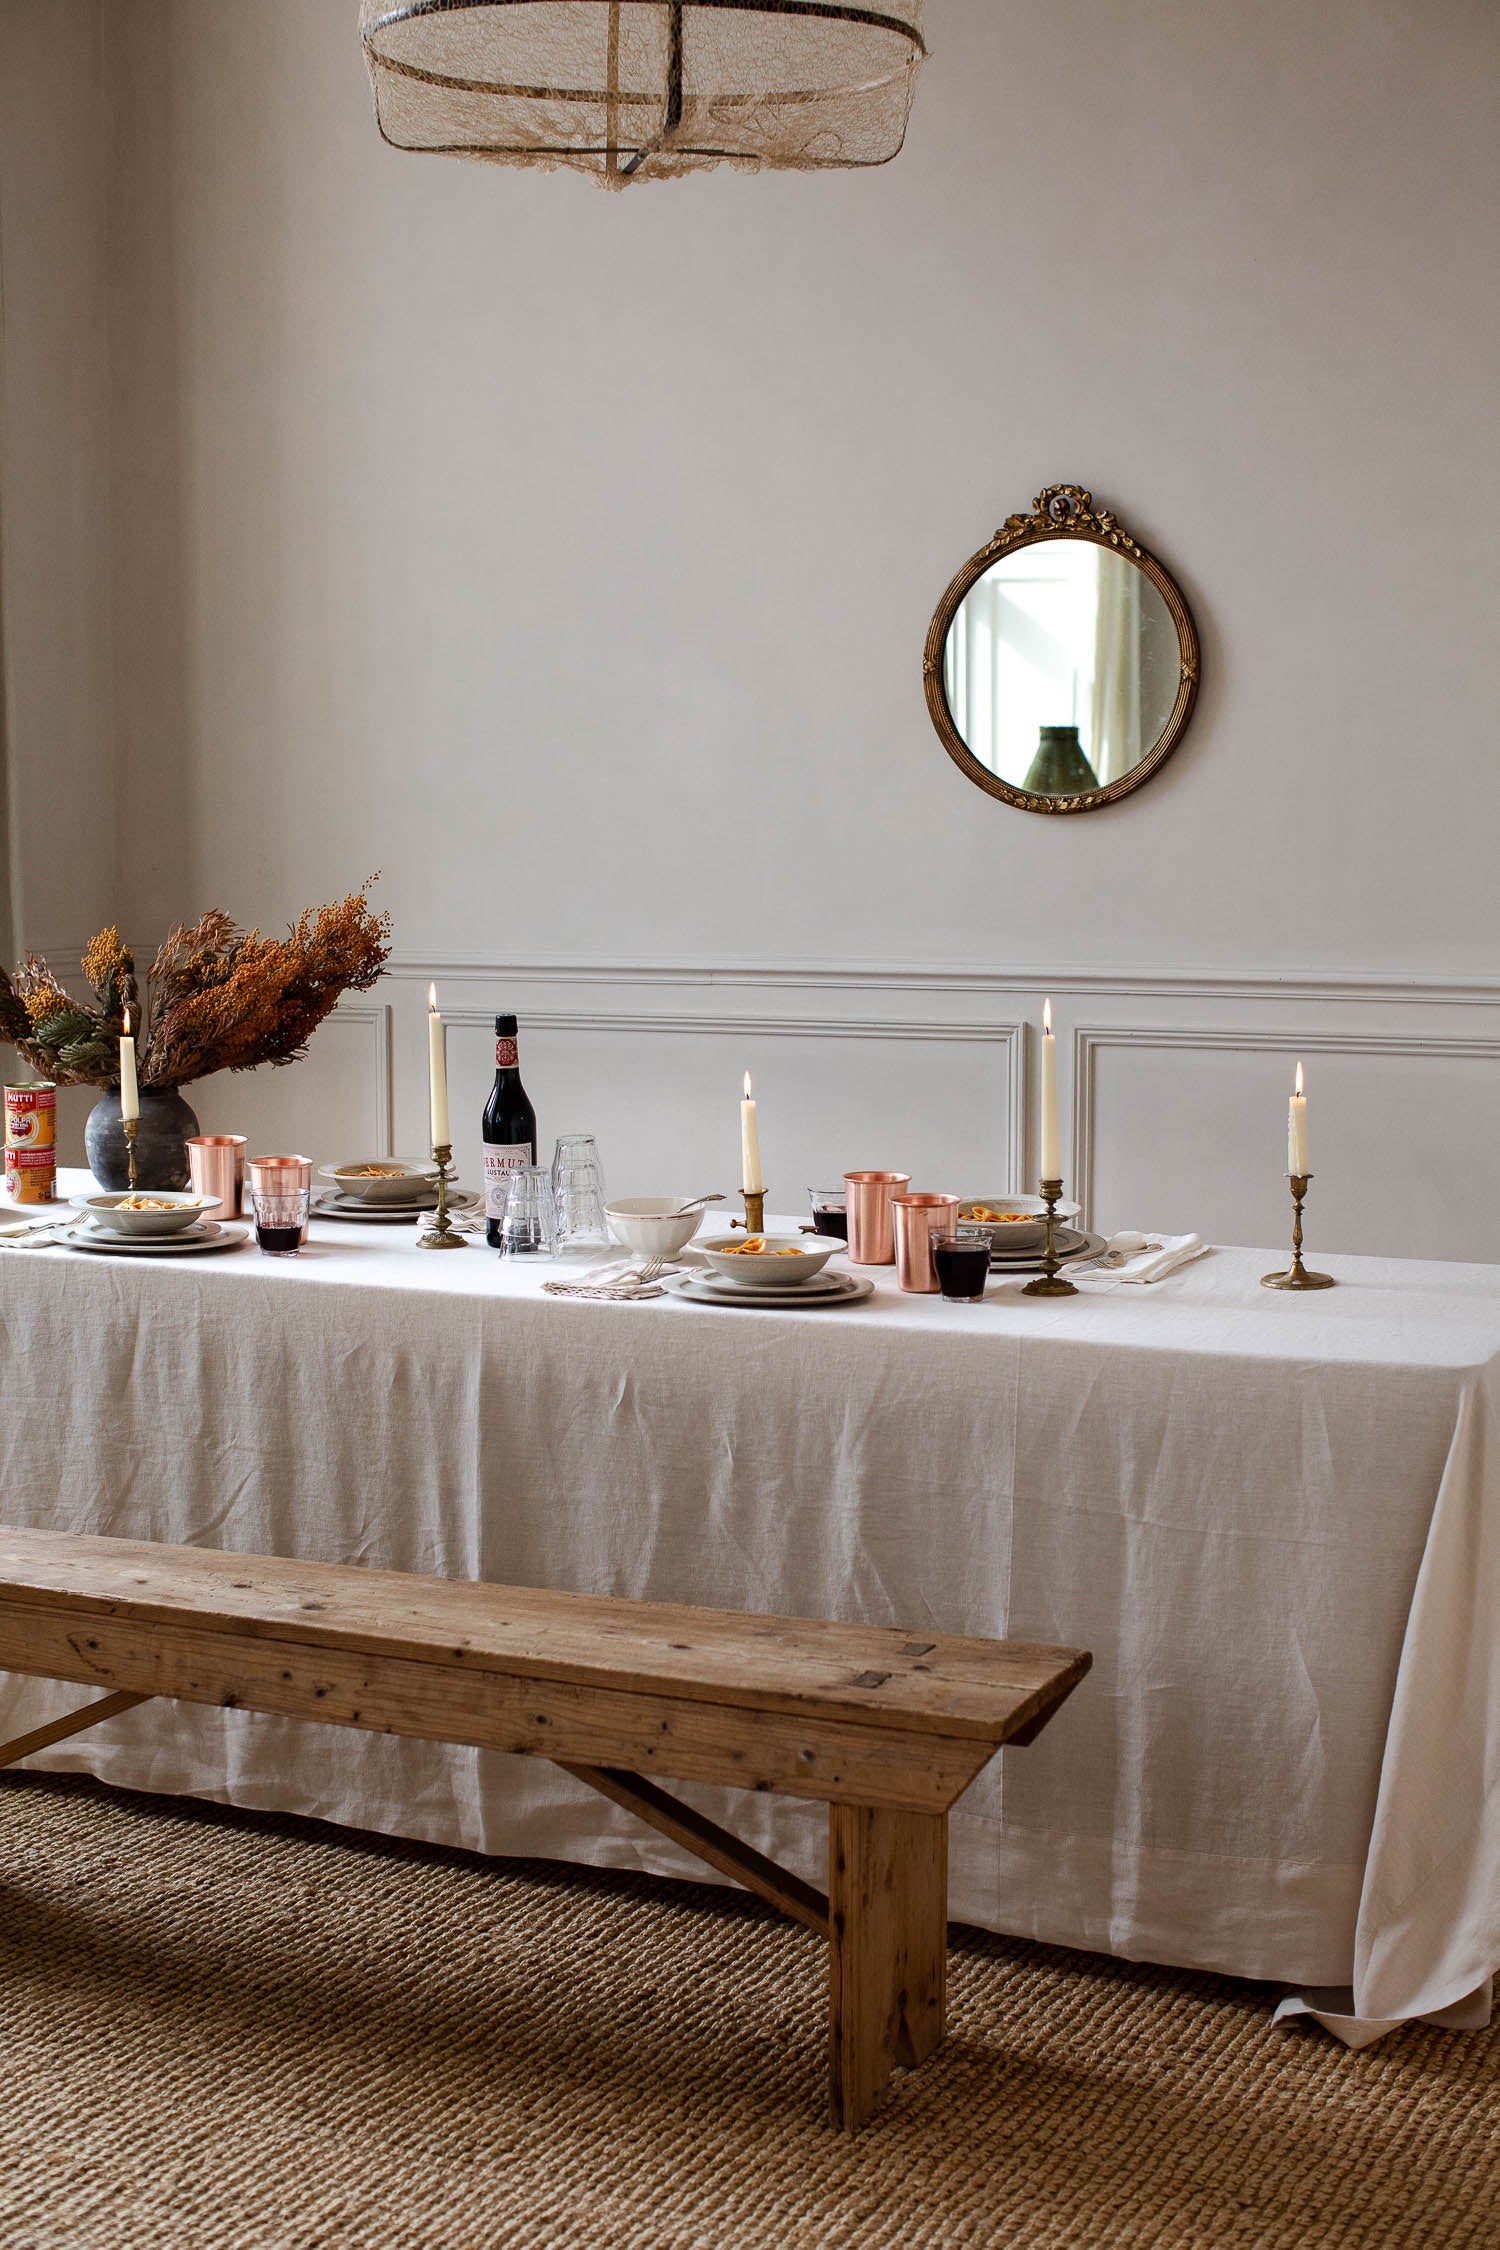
x=643, y=89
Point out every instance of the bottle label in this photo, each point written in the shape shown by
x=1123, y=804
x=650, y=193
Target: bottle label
x=506, y=1057
x=499, y=1163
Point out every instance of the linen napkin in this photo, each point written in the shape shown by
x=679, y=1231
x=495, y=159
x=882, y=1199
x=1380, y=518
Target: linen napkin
x=620, y=1282
x=1161, y=1258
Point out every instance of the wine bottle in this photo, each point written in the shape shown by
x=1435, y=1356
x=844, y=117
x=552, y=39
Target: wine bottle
x=508, y=1130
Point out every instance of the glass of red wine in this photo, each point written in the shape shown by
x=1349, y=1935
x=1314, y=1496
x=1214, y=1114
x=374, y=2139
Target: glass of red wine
x=830, y=1210
x=963, y=1266
x=280, y=1216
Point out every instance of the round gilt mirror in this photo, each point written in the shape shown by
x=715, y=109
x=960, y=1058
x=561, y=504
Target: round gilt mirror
x=1062, y=663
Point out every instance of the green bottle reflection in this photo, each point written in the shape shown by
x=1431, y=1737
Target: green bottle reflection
x=1059, y=768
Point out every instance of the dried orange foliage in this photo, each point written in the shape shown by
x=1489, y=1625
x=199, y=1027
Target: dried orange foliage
x=228, y=999
x=221, y=998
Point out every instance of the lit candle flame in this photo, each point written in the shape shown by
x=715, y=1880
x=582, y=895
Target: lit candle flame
x=747, y=1085
x=432, y=998
x=127, y=1023
x=1047, y=1018
x=1298, y=1088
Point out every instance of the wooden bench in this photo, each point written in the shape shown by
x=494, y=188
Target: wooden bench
x=887, y=1727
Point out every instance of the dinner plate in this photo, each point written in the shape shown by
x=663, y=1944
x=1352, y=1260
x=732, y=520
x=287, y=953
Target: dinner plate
x=207, y=1235
x=335, y=1206
x=1069, y=1246
x=828, y=1289
x=1069, y=1242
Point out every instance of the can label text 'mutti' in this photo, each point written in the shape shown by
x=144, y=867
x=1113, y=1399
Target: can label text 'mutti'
x=31, y=1116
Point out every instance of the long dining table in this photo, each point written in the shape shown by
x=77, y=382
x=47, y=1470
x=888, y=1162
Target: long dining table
x=1274, y=1519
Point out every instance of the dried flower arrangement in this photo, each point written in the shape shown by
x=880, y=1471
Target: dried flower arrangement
x=218, y=998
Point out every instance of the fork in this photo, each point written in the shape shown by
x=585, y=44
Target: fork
x=36, y=1238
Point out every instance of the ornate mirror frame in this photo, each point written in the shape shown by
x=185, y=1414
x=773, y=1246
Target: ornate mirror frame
x=1062, y=511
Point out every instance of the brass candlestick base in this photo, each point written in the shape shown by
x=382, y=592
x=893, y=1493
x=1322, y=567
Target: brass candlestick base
x=754, y=1221
x=441, y=1235
x=1049, y=1282
x=1297, y=1275
x=132, y=1127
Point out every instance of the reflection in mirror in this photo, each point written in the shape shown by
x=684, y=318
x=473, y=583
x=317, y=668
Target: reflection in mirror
x=1061, y=667
x=1062, y=662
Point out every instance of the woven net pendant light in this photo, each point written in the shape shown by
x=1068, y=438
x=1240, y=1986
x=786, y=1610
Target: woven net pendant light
x=644, y=89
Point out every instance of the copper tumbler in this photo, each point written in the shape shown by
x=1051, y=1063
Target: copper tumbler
x=216, y=1168
x=281, y=1175
x=872, y=1230
x=918, y=1219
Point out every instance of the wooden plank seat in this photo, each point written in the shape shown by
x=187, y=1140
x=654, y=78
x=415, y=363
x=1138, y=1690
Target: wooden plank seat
x=887, y=1727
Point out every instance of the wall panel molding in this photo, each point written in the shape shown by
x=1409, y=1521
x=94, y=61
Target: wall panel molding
x=1360, y=988
x=1090, y=1041
x=378, y=1015
x=1008, y=1036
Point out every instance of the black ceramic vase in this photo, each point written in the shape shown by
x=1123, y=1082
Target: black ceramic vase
x=161, y=1159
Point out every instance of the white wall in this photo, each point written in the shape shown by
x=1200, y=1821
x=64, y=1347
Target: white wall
x=60, y=877
x=570, y=557
x=55, y=566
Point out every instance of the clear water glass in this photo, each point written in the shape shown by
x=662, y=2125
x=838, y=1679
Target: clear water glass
x=528, y=1226
x=577, y=1152
x=578, y=1194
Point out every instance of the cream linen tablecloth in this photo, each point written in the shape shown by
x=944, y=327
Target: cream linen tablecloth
x=1274, y=1519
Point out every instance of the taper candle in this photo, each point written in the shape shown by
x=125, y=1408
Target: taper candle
x=750, y=1180
x=437, y=1073
x=1051, y=1154
x=130, y=1094
x=1296, y=1132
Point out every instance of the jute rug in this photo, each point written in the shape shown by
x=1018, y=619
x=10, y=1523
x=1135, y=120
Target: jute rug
x=226, y=2031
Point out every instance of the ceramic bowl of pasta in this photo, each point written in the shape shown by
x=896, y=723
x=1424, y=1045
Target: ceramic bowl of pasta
x=150, y=1211
x=380, y=1179
x=774, y=1259
x=1015, y=1222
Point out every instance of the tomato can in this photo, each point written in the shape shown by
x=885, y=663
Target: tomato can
x=31, y=1116
x=31, y=1175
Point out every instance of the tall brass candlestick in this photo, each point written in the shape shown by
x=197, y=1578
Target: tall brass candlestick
x=442, y=1235
x=754, y=1221
x=1049, y=1282
x=1297, y=1275
x=132, y=1127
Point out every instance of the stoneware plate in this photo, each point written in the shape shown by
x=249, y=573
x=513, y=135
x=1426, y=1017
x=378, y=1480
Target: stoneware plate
x=175, y=1213
x=389, y=1215
x=1069, y=1246
x=787, y=1258
x=1025, y=1231
x=699, y=1289
x=207, y=1235
x=795, y=1292
x=402, y=1183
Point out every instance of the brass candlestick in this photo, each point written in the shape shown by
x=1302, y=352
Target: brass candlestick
x=1297, y=1275
x=754, y=1221
x=1049, y=1283
x=442, y=1235
x=132, y=1127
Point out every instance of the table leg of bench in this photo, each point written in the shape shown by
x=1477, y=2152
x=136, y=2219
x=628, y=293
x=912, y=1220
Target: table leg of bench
x=888, y=1949
x=42, y=1738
